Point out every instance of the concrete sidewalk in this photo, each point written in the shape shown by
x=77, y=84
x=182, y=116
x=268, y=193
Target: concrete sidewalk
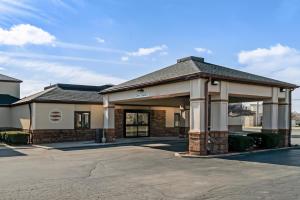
x=121, y=141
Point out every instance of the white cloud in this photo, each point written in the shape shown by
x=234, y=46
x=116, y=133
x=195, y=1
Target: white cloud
x=164, y=53
x=148, y=51
x=63, y=58
x=82, y=47
x=100, y=40
x=29, y=86
x=203, y=50
x=124, y=58
x=44, y=72
x=271, y=61
x=279, y=62
x=23, y=34
x=13, y=11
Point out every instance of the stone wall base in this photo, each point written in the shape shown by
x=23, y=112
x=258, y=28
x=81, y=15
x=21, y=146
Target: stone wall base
x=197, y=143
x=110, y=134
x=285, y=137
x=61, y=135
x=218, y=142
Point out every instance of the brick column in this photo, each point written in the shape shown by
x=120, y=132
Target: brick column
x=270, y=113
x=218, y=135
x=197, y=136
x=284, y=119
x=108, y=120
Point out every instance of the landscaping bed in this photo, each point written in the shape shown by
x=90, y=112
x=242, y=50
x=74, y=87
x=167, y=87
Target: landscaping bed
x=253, y=141
x=14, y=137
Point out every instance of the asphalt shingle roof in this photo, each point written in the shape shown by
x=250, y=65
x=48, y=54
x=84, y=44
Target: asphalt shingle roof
x=6, y=99
x=195, y=66
x=5, y=78
x=67, y=93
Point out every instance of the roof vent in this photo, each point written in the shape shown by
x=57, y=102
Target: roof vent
x=194, y=58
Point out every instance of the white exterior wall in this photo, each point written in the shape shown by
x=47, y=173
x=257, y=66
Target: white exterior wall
x=159, y=91
x=10, y=88
x=5, y=117
x=42, y=110
x=20, y=117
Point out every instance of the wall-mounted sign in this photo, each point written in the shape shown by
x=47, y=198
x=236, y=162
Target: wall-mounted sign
x=55, y=116
x=141, y=93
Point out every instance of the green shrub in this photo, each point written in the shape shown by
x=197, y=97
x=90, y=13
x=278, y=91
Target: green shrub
x=2, y=136
x=266, y=140
x=15, y=137
x=240, y=142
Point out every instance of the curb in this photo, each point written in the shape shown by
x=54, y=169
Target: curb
x=186, y=155
x=104, y=144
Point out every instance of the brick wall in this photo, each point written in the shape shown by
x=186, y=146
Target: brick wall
x=219, y=142
x=119, y=123
x=65, y=135
x=157, y=124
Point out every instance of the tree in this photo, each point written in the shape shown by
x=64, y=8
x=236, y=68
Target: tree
x=237, y=110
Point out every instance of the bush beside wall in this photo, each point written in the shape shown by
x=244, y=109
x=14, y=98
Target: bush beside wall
x=266, y=140
x=14, y=137
x=240, y=142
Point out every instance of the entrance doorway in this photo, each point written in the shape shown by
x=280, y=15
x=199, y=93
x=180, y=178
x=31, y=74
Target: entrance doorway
x=136, y=123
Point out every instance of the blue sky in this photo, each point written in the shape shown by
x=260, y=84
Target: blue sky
x=110, y=41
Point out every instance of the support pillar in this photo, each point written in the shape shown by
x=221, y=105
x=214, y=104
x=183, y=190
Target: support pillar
x=197, y=135
x=218, y=135
x=270, y=113
x=284, y=119
x=108, y=121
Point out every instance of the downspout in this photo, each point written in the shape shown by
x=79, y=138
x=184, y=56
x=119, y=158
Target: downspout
x=30, y=118
x=206, y=113
x=290, y=118
x=30, y=122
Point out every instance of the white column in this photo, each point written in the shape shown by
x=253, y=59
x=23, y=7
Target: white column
x=284, y=119
x=218, y=135
x=219, y=110
x=197, y=106
x=108, y=120
x=283, y=112
x=197, y=136
x=270, y=113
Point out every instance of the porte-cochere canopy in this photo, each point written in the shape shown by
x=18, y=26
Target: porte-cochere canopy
x=190, y=86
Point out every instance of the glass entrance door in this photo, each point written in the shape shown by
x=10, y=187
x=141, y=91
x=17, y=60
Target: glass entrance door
x=136, y=124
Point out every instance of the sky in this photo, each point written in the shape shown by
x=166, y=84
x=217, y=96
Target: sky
x=97, y=42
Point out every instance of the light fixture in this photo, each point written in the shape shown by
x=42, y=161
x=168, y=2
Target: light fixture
x=282, y=89
x=181, y=107
x=215, y=82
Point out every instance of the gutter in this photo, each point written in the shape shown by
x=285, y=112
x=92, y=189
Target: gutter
x=198, y=75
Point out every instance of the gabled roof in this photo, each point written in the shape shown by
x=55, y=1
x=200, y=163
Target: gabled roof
x=67, y=93
x=6, y=100
x=193, y=67
x=4, y=78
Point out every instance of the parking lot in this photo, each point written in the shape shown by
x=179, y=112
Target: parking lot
x=145, y=171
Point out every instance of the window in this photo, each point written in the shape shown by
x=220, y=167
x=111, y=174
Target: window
x=177, y=119
x=82, y=120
